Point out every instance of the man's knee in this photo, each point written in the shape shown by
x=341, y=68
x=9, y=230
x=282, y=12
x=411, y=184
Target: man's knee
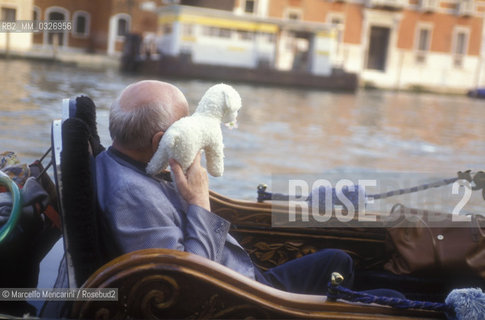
x=335, y=260
x=338, y=256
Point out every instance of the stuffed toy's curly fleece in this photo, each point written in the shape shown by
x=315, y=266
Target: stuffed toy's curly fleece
x=202, y=130
x=469, y=303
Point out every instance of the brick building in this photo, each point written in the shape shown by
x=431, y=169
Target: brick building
x=97, y=25
x=396, y=43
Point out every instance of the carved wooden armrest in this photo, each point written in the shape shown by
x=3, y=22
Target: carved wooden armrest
x=269, y=247
x=162, y=283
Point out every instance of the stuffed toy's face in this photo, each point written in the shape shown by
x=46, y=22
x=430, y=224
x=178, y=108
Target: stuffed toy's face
x=231, y=107
x=230, y=116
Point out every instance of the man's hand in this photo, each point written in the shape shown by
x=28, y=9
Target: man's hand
x=194, y=185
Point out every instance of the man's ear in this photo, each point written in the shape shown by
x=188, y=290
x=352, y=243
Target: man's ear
x=156, y=140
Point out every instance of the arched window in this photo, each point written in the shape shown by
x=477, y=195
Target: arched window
x=122, y=27
x=9, y=14
x=81, y=25
x=250, y=6
x=36, y=13
x=56, y=37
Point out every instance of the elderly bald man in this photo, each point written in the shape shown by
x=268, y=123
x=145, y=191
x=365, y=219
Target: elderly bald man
x=137, y=121
x=144, y=211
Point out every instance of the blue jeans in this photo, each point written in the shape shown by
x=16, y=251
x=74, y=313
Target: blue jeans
x=310, y=274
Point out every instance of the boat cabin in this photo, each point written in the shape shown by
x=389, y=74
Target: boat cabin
x=217, y=37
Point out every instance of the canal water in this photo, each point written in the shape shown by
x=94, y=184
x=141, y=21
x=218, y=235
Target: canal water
x=282, y=132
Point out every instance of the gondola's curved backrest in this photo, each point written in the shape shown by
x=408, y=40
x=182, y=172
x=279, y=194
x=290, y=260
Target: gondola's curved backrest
x=75, y=145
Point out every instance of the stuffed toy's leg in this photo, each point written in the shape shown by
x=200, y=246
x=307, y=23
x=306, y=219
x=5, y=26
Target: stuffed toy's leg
x=159, y=160
x=215, y=159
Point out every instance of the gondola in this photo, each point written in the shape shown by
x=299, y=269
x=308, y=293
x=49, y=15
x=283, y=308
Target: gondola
x=163, y=283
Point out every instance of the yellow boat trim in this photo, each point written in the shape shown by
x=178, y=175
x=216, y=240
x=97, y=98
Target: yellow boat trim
x=167, y=19
x=323, y=53
x=189, y=39
x=219, y=22
x=234, y=48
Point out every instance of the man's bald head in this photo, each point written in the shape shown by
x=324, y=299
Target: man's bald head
x=143, y=109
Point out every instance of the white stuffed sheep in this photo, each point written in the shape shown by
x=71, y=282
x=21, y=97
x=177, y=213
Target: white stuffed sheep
x=202, y=130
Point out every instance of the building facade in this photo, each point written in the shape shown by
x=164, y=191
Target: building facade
x=437, y=44
x=404, y=44
x=97, y=26
x=12, y=10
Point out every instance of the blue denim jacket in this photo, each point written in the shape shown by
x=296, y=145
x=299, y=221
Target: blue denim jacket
x=146, y=212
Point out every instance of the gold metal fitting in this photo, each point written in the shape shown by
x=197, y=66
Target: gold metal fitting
x=336, y=279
